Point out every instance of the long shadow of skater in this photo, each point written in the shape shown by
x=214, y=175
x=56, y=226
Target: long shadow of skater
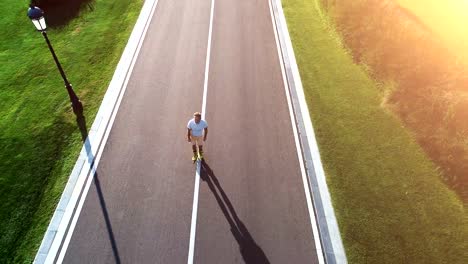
x=81, y=121
x=250, y=251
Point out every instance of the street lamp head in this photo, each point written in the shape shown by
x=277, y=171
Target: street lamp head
x=37, y=17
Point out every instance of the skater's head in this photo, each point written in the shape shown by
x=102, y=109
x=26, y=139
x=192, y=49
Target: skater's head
x=197, y=117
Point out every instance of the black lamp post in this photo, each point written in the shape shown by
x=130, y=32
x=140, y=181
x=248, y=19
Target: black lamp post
x=37, y=17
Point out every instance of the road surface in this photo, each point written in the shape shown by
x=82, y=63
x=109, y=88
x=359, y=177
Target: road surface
x=252, y=206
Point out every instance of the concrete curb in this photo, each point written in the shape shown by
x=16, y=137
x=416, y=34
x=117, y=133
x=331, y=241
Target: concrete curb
x=86, y=163
x=328, y=227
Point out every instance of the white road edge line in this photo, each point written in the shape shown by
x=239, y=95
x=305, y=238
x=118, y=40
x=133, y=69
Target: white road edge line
x=106, y=136
x=196, y=190
x=87, y=162
x=332, y=244
x=313, y=222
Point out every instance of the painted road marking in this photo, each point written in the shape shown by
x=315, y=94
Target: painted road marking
x=307, y=191
x=63, y=250
x=332, y=244
x=196, y=190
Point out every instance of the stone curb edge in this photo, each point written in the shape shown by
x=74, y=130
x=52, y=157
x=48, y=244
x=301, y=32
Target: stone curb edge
x=328, y=227
x=85, y=164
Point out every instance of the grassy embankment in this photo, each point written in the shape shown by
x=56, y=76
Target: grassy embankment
x=423, y=74
x=39, y=138
x=391, y=204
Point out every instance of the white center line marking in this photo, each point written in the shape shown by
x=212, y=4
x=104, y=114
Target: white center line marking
x=313, y=222
x=193, y=226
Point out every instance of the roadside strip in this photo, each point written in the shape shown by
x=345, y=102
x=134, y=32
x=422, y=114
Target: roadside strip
x=67, y=211
x=330, y=238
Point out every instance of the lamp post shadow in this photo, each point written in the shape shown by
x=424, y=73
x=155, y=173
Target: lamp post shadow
x=81, y=122
x=102, y=202
x=37, y=17
x=250, y=251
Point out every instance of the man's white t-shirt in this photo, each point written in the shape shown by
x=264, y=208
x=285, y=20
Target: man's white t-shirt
x=197, y=129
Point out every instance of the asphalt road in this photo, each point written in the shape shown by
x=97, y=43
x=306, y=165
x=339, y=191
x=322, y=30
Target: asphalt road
x=252, y=207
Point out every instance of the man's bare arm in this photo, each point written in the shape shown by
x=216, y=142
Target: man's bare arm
x=206, y=134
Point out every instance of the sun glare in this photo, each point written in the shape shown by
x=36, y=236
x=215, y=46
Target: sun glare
x=446, y=18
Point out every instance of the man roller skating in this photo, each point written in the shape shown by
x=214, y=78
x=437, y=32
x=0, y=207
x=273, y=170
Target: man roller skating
x=197, y=130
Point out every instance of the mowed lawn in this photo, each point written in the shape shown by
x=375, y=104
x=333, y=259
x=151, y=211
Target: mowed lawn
x=389, y=200
x=39, y=138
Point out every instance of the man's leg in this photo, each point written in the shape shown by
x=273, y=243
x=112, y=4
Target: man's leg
x=194, y=148
x=200, y=149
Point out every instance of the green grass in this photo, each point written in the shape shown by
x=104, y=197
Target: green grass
x=428, y=83
x=389, y=200
x=39, y=139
